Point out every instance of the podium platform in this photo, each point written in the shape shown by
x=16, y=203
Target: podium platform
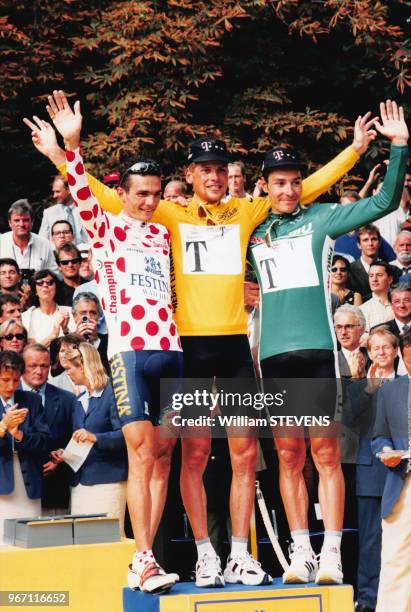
x=93, y=574
x=276, y=597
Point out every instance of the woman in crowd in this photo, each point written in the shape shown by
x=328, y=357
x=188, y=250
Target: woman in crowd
x=13, y=336
x=46, y=320
x=58, y=375
x=100, y=483
x=339, y=279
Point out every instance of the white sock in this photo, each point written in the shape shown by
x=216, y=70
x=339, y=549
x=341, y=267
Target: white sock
x=238, y=547
x=332, y=540
x=205, y=546
x=142, y=558
x=301, y=539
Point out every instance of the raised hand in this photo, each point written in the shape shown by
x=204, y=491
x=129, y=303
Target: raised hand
x=67, y=122
x=44, y=139
x=393, y=124
x=363, y=133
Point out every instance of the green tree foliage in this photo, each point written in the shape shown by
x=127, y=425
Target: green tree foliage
x=154, y=74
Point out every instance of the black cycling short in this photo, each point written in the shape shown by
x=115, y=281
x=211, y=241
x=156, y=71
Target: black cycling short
x=219, y=363
x=313, y=390
x=220, y=356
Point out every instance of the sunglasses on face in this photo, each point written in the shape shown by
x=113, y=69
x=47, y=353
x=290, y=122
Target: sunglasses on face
x=338, y=269
x=19, y=336
x=143, y=168
x=44, y=283
x=66, y=262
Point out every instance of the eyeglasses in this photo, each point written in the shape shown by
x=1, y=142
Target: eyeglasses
x=62, y=233
x=335, y=269
x=42, y=283
x=66, y=262
x=348, y=327
x=19, y=336
x=143, y=168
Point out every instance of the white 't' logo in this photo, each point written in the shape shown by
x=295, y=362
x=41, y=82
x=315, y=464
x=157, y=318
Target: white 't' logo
x=206, y=145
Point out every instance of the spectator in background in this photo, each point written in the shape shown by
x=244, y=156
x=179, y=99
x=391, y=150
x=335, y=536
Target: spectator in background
x=368, y=241
x=68, y=258
x=13, y=336
x=63, y=210
x=24, y=439
x=350, y=326
x=339, y=280
x=31, y=252
x=58, y=409
x=176, y=191
x=236, y=180
x=402, y=248
x=10, y=307
x=391, y=432
x=359, y=413
x=347, y=244
x=46, y=320
x=378, y=309
x=86, y=267
x=100, y=483
x=11, y=282
x=61, y=233
x=58, y=376
x=86, y=312
x=112, y=179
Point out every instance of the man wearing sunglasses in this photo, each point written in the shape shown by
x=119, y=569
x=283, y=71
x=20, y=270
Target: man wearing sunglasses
x=131, y=258
x=68, y=259
x=209, y=241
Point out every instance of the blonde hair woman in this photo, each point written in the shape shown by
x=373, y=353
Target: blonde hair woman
x=100, y=483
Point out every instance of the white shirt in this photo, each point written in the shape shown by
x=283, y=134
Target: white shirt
x=40, y=325
x=84, y=397
x=365, y=265
x=390, y=224
x=38, y=254
x=41, y=392
x=376, y=312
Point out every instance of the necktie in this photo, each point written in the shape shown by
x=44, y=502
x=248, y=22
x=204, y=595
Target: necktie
x=70, y=218
x=404, y=271
x=405, y=328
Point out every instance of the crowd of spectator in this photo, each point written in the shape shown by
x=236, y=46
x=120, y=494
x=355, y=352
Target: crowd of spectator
x=53, y=358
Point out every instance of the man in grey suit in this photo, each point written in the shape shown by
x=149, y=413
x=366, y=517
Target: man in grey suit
x=63, y=210
x=392, y=431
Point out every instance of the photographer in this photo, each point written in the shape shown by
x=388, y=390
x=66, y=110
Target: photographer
x=12, y=283
x=86, y=314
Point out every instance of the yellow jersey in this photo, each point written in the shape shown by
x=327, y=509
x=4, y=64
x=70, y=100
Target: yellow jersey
x=209, y=245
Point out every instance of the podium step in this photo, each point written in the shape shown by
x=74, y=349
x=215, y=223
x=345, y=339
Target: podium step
x=276, y=597
x=93, y=574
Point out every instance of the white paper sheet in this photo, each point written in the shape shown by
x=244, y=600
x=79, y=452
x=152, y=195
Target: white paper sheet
x=76, y=453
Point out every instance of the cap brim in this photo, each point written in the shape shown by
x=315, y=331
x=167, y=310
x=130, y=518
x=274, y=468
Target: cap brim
x=209, y=157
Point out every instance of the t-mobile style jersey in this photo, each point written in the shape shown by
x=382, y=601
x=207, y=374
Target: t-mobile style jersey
x=132, y=271
x=292, y=254
x=209, y=245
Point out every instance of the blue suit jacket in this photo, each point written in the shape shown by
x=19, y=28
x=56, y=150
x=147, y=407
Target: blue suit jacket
x=31, y=449
x=107, y=460
x=391, y=429
x=58, y=411
x=359, y=412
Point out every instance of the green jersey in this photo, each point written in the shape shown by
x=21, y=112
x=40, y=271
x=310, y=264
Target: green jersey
x=291, y=255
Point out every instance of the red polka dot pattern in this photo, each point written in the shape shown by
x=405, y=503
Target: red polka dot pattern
x=163, y=314
x=121, y=264
x=138, y=312
x=152, y=328
x=125, y=328
x=135, y=319
x=84, y=193
x=165, y=344
x=137, y=344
